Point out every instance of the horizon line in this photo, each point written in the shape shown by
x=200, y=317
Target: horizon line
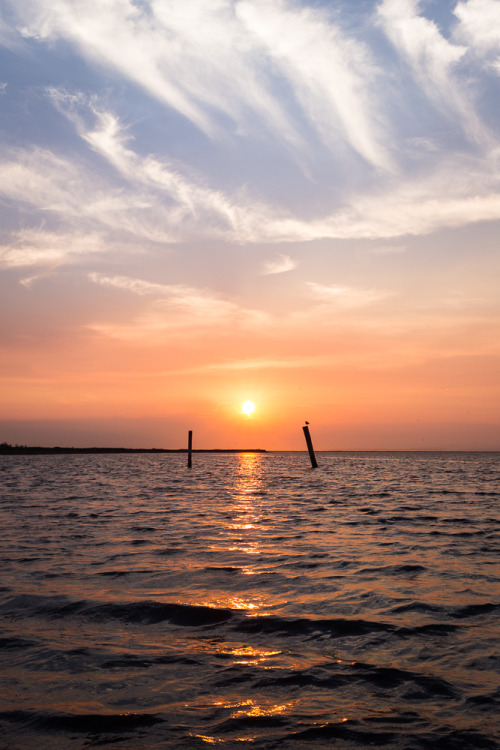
x=8, y=449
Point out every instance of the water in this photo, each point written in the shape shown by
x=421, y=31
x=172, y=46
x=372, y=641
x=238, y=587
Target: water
x=250, y=602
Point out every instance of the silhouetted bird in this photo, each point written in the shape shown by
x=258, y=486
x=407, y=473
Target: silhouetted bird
x=307, y=422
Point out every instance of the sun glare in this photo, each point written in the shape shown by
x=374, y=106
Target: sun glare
x=248, y=407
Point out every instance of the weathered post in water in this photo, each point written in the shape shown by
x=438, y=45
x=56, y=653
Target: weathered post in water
x=190, y=447
x=310, y=448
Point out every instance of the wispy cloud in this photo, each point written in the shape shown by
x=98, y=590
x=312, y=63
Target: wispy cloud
x=345, y=296
x=312, y=52
x=281, y=363
x=68, y=189
x=42, y=248
x=175, y=308
x=479, y=28
x=9, y=38
x=281, y=264
x=138, y=286
x=193, y=60
x=38, y=177
x=157, y=204
x=461, y=192
x=157, y=201
x=310, y=85
x=432, y=59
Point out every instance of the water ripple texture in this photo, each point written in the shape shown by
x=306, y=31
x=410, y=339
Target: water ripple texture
x=250, y=601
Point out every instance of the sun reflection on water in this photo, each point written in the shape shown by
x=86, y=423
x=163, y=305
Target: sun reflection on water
x=244, y=514
x=231, y=602
x=247, y=655
x=248, y=482
x=242, y=545
x=247, y=709
x=242, y=531
x=251, y=708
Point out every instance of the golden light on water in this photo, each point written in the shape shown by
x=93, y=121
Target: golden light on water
x=251, y=708
x=248, y=709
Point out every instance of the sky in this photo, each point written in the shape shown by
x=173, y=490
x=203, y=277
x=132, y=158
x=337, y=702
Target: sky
x=292, y=202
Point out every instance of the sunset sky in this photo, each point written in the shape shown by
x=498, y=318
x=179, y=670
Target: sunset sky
x=205, y=202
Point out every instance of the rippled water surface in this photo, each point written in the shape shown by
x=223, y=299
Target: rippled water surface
x=250, y=601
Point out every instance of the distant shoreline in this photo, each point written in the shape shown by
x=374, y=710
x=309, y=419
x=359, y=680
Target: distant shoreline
x=26, y=450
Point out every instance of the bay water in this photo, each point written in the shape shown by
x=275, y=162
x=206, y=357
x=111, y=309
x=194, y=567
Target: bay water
x=250, y=601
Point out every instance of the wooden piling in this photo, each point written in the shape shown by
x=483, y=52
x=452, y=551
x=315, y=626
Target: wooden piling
x=190, y=447
x=314, y=463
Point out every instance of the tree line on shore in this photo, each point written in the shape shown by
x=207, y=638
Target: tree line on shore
x=6, y=448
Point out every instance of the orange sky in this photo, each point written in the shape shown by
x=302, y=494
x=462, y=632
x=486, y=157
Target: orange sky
x=390, y=376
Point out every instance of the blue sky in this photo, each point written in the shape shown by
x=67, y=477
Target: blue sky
x=220, y=171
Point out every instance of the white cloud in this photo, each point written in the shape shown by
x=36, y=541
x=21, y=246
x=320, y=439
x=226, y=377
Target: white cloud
x=69, y=189
x=36, y=176
x=432, y=60
x=38, y=247
x=331, y=75
x=479, y=23
x=281, y=264
x=169, y=206
x=479, y=27
x=346, y=297
x=299, y=66
x=151, y=174
x=412, y=211
x=195, y=57
x=136, y=286
x=102, y=33
x=419, y=39
x=156, y=203
x=191, y=57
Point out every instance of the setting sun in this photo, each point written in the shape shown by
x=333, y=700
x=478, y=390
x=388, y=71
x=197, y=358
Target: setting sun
x=248, y=407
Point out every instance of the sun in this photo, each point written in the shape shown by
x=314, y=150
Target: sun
x=248, y=407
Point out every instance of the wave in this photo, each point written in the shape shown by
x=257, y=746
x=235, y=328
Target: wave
x=372, y=603
x=11, y=643
x=145, y=612
x=476, y=610
x=393, y=569
x=149, y=612
x=336, y=627
x=445, y=739
x=85, y=723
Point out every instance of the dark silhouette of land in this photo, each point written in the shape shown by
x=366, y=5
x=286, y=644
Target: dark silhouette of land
x=7, y=449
